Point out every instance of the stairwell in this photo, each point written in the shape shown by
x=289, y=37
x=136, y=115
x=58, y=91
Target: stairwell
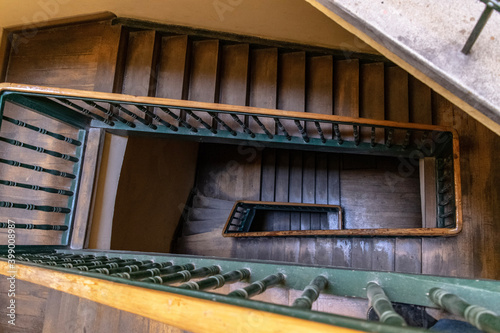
x=221, y=69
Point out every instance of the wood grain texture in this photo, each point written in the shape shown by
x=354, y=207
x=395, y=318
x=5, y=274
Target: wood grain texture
x=307, y=245
x=149, y=196
x=222, y=107
x=292, y=86
x=292, y=246
x=145, y=302
x=173, y=71
x=319, y=91
x=86, y=194
x=407, y=251
x=22, y=175
x=263, y=84
x=204, y=75
x=346, y=93
x=234, y=79
x=108, y=59
x=72, y=56
x=372, y=98
x=30, y=307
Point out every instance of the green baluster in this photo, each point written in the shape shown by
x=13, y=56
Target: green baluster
x=37, y=168
x=184, y=275
x=217, y=281
x=382, y=305
x=478, y=316
x=43, y=131
x=152, y=272
x=39, y=149
x=35, y=207
x=132, y=267
x=311, y=293
x=258, y=287
x=36, y=187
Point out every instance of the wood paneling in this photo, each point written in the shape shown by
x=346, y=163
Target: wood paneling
x=63, y=57
x=263, y=84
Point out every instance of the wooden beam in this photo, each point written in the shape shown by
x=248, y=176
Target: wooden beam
x=86, y=195
x=188, y=313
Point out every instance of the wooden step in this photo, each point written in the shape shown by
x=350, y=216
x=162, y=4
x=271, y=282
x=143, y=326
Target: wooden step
x=263, y=84
x=204, y=75
x=234, y=79
x=200, y=201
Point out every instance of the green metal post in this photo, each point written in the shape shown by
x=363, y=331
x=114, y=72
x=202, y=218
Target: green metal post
x=478, y=316
x=382, y=305
x=311, y=293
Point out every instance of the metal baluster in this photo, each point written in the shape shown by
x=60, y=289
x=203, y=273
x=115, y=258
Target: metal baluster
x=132, y=268
x=382, y=305
x=68, y=262
x=153, y=272
x=242, y=124
x=478, y=316
x=40, y=149
x=35, y=226
x=336, y=130
x=406, y=142
x=198, y=119
x=43, y=131
x=261, y=125
x=311, y=293
x=449, y=214
x=302, y=131
x=217, y=281
x=423, y=139
x=483, y=19
x=85, y=265
x=258, y=287
x=390, y=134
x=355, y=130
x=372, y=140
x=446, y=188
x=446, y=200
x=134, y=116
x=110, y=113
x=51, y=209
x=155, y=117
x=36, y=187
x=179, y=119
x=111, y=264
x=183, y=276
x=87, y=112
x=320, y=131
x=282, y=128
x=219, y=121
x=38, y=168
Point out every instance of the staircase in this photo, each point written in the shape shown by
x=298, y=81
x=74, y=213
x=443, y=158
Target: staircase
x=213, y=68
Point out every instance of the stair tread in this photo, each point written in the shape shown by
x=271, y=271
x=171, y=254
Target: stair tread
x=201, y=201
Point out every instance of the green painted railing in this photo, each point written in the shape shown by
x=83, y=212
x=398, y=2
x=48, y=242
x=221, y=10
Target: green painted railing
x=29, y=142
x=475, y=300
x=209, y=122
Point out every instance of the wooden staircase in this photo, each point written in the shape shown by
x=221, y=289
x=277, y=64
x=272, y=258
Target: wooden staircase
x=115, y=58
x=292, y=77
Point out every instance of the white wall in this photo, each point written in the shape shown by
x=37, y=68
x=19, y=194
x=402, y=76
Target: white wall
x=287, y=20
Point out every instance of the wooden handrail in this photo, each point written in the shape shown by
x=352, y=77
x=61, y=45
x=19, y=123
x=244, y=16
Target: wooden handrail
x=176, y=103
x=188, y=313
